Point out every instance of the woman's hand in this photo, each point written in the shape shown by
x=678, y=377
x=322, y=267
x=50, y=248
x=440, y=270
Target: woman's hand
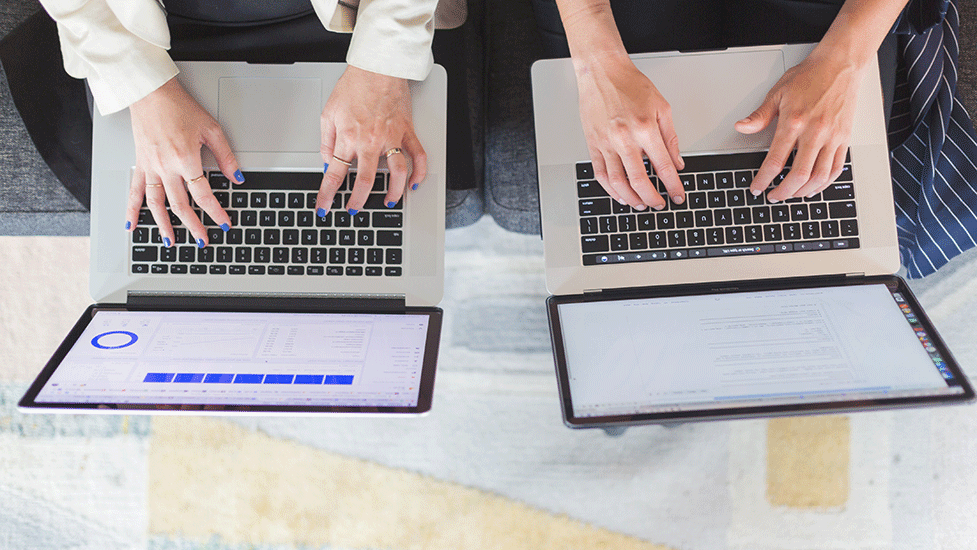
x=814, y=103
x=368, y=116
x=624, y=119
x=169, y=128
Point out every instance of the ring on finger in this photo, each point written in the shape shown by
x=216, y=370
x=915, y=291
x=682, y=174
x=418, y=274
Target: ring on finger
x=196, y=179
x=148, y=185
x=348, y=163
x=393, y=151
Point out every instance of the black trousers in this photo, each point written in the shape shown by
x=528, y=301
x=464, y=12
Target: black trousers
x=55, y=110
x=669, y=25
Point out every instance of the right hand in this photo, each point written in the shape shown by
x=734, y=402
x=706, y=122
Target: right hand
x=624, y=119
x=169, y=127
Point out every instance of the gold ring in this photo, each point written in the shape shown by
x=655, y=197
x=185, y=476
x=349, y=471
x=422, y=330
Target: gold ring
x=196, y=179
x=148, y=185
x=394, y=151
x=348, y=163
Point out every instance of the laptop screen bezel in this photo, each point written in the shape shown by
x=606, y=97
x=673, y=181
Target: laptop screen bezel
x=894, y=284
x=425, y=391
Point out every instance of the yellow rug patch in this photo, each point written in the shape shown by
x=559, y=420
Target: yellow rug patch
x=808, y=461
x=208, y=477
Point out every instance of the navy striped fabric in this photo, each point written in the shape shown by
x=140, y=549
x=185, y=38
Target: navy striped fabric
x=932, y=142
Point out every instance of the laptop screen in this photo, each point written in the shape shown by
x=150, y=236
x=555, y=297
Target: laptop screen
x=255, y=360
x=712, y=354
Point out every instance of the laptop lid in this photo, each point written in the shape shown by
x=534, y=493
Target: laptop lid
x=739, y=350
x=270, y=114
x=708, y=92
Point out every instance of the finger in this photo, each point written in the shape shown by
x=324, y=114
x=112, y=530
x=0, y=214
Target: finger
x=639, y=181
x=156, y=202
x=180, y=205
x=332, y=179
x=216, y=141
x=328, y=131
x=826, y=170
x=398, y=178
x=670, y=138
x=799, y=175
x=664, y=168
x=203, y=195
x=418, y=157
x=761, y=117
x=366, y=173
x=617, y=179
x=137, y=191
x=783, y=143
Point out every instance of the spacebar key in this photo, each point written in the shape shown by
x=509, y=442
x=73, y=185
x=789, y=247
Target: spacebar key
x=740, y=250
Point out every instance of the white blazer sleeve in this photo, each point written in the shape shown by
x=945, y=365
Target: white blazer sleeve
x=118, y=45
x=391, y=37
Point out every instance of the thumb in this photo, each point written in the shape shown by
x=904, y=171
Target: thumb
x=759, y=119
x=217, y=143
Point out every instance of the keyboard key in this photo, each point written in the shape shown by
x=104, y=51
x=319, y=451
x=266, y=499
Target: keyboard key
x=223, y=199
x=638, y=241
x=688, y=182
x=252, y=236
x=327, y=237
x=296, y=270
x=334, y=270
x=388, y=219
x=734, y=235
x=362, y=219
x=374, y=256
x=341, y=219
x=239, y=200
x=838, y=192
x=716, y=199
x=256, y=270
x=798, y=212
x=314, y=270
x=279, y=255
x=364, y=237
x=140, y=235
x=324, y=221
x=159, y=269
x=590, y=188
x=849, y=228
x=684, y=219
x=657, y=239
x=262, y=254
x=743, y=179
x=845, y=173
x=736, y=197
x=819, y=211
x=304, y=218
x=337, y=255
x=225, y=254
x=595, y=243
x=318, y=255
x=844, y=209
x=665, y=220
x=722, y=217
x=310, y=237
x=276, y=270
x=393, y=256
x=242, y=255
x=145, y=253
x=705, y=181
x=715, y=235
x=792, y=231
x=392, y=271
x=676, y=238
x=276, y=200
x=236, y=270
x=259, y=200
x=217, y=269
x=588, y=226
x=354, y=271
x=235, y=236
x=594, y=207
x=724, y=180
x=829, y=229
x=249, y=218
x=772, y=232
x=272, y=237
x=140, y=269
x=619, y=242
x=187, y=254
x=178, y=269
x=167, y=254
x=811, y=230
x=585, y=171
x=286, y=218
x=347, y=237
x=290, y=236
x=198, y=269
x=607, y=224
x=695, y=237
x=742, y=216
x=780, y=213
x=374, y=271
x=300, y=255
x=754, y=234
x=703, y=218
x=266, y=218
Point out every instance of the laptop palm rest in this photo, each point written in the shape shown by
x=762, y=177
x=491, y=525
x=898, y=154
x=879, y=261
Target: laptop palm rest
x=710, y=92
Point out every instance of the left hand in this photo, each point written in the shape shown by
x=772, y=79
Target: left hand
x=367, y=115
x=814, y=103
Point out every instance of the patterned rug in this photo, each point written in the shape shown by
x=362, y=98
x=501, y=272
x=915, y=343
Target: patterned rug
x=490, y=467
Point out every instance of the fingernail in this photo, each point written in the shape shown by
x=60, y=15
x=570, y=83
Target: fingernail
x=225, y=227
x=391, y=204
x=239, y=176
x=353, y=212
x=413, y=187
x=772, y=200
x=321, y=212
x=811, y=196
x=621, y=201
x=200, y=243
x=128, y=225
x=756, y=192
x=659, y=207
x=167, y=242
x=678, y=199
x=325, y=166
x=640, y=207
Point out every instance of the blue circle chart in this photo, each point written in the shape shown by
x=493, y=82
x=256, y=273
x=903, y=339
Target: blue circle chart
x=132, y=339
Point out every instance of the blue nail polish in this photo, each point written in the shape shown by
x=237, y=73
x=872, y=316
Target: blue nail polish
x=167, y=242
x=128, y=225
x=352, y=212
x=413, y=187
x=225, y=227
x=321, y=212
x=239, y=176
x=200, y=243
x=391, y=204
x=325, y=166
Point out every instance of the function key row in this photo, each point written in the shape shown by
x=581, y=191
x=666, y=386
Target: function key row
x=197, y=269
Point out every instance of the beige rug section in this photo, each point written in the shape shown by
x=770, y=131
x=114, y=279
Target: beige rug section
x=208, y=477
x=43, y=291
x=808, y=461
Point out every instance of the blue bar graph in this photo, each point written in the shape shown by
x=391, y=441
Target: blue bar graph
x=191, y=377
x=279, y=379
x=248, y=378
x=158, y=377
x=308, y=379
x=219, y=379
x=340, y=379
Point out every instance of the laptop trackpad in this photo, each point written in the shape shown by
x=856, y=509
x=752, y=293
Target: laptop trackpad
x=710, y=92
x=271, y=114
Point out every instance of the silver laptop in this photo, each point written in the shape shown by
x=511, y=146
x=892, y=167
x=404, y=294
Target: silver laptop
x=287, y=311
x=630, y=285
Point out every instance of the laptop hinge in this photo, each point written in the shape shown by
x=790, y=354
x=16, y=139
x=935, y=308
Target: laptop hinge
x=592, y=291
x=852, y=275
x=303, y=303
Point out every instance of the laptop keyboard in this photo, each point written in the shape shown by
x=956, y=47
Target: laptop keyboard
x=275, y=231
x=720, y=217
